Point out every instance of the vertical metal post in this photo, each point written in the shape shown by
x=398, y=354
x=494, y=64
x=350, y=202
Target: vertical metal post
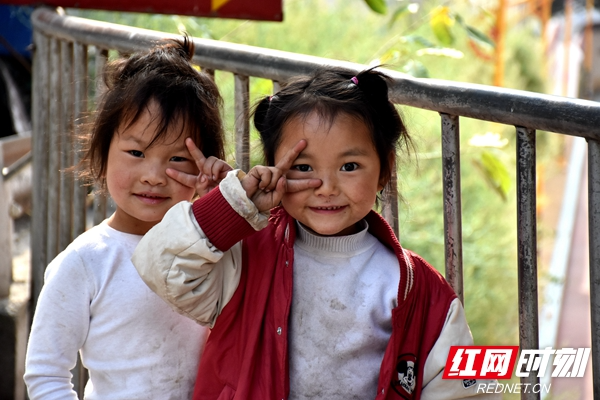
x=100, y=199
x=527, y=249
x=242, y=125
x=594, y=232
x=54, y=150
x=66, y=146
x=452, y=202
x=389, y=208
x=80, y=72
x=39, y=116
x=276, y=87
x=6, y=239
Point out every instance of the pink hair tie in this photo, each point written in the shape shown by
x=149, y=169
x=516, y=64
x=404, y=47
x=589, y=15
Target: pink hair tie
x=354, y=80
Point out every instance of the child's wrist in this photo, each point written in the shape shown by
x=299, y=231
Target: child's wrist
x=236, y=195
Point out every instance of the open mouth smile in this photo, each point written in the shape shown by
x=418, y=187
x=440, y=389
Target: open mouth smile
x=328, y=209
x=150, y=198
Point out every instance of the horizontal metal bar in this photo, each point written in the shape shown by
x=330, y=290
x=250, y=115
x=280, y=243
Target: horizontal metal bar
x=513, y=107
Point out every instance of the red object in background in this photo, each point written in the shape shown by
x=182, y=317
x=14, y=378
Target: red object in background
x=269, y=10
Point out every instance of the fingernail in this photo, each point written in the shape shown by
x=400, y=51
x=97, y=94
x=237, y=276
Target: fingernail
x=214, y=177
x=203, y=178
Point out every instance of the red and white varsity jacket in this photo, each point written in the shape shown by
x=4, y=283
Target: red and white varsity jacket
x=193, y=256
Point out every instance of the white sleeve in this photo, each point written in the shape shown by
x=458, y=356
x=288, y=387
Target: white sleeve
x=455, y=332
x=59, y=329
x=178, y=262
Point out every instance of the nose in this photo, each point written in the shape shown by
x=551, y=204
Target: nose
x=154, y=173
x=329, y=186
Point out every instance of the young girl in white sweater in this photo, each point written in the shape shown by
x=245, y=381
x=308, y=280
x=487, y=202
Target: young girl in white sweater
x=93, y=301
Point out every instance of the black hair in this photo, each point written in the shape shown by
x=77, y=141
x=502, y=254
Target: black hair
x=163, y=74
x=331, y=91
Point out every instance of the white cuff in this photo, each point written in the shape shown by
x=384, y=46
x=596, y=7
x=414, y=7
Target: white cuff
x=232, y=190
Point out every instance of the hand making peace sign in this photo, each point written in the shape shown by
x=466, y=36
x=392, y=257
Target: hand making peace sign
x=211, y=171
x=265, y=186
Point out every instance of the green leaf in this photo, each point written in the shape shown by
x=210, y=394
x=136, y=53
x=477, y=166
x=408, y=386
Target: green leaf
x=416, y=39
x=495, y=173
x=441, y=23
x=474, y=33
x=397, y=14
x=379, y=6
x=479, y=36
x=416, y=69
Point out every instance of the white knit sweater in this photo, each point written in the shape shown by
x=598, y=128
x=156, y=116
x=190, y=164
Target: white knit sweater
x=133, y=344
x=341, y=320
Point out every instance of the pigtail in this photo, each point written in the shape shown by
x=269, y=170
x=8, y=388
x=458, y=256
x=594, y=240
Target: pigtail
x=183, y=47
x=260, y=114
x=373, y=84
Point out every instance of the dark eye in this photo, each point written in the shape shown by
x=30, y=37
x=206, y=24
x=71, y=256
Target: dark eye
x=351, y=166
x=178, y=159
x=302, y=167
x=136, y=153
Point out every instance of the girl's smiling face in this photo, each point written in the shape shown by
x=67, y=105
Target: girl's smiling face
x=136, y=172
x=342, y=155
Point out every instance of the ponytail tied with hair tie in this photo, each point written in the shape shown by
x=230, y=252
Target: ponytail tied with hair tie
x=354, y=80
x=374, y=84
x=260, y=113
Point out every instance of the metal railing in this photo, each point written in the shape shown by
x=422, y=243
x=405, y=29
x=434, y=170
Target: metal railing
x=63, y=45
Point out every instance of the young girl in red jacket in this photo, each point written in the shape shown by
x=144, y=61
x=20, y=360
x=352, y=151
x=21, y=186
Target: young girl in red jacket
x=306, y=289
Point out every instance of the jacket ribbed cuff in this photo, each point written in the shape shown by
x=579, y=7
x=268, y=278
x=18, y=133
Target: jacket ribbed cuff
x=222, y=225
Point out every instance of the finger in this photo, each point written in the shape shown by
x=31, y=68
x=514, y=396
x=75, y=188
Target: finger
x=209, y=164
x=251, y=182
x=185, y=179
x=265, y=176
x=196, y=154
x=290, y=156
x=216, y=169
x=221, y=169
x=297, y=185
x=276, y=175
x=203, y=185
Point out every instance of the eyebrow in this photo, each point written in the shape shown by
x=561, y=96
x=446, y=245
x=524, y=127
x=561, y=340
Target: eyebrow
x=127, y=136
x=348, y=153
x=144, y=143
x=354, y=152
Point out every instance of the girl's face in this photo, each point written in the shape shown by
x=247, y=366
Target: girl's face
x=135, y=174
x=342, y=155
